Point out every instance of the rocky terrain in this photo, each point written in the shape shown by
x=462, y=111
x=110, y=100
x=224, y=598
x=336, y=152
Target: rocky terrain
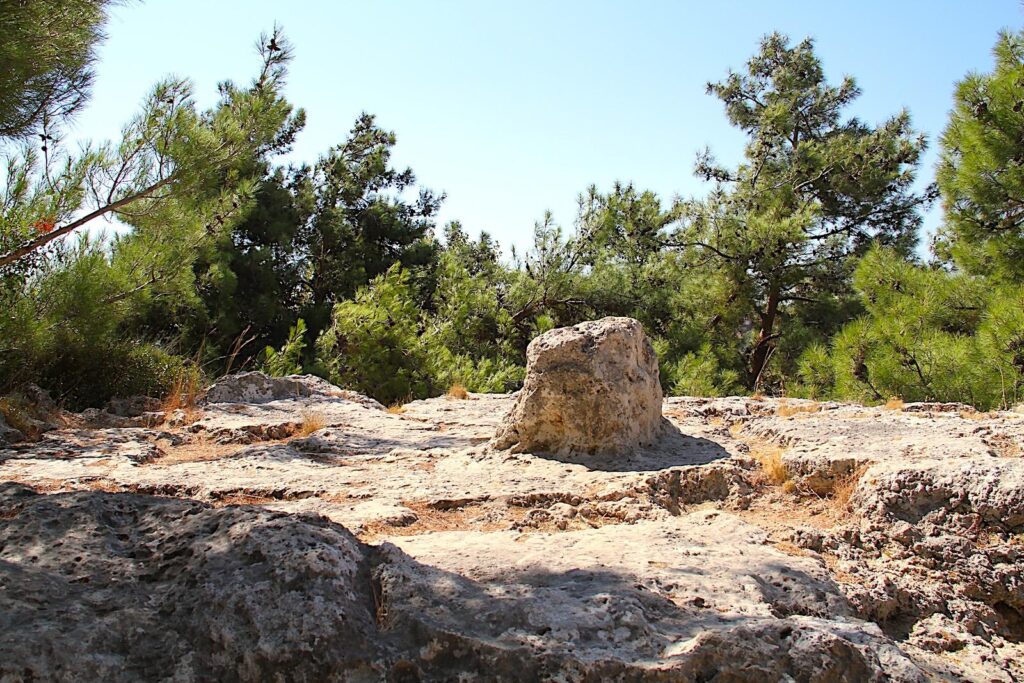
x=288, y=530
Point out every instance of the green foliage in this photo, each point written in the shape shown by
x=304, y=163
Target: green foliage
x=814, y=190
x=287, y=361
x=793, y=275
x=48, y=53
x=360, y=223
x=981, y=173
x=700, y=373
x=373, y=343
x=929, y=335
x=66, y=335
x=87, y=319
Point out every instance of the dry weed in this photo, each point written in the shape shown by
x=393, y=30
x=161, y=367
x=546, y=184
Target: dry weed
x=894, y=403
x=843, y=489
x=312, y=421
x=791, y=409
x=458, y=392
x=199, y=449
x=396, y=409
x=770, y=458
x=978, y=415
x=184, y=395
x=791, y=548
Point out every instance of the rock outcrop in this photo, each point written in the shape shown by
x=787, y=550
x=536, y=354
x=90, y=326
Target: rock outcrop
x=766, y=540
x=120, y=587
x=256, y=387
x=590, y=388
x=9, y=434
x=100, y=587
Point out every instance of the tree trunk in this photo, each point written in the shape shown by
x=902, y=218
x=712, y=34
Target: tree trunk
x=763, y=344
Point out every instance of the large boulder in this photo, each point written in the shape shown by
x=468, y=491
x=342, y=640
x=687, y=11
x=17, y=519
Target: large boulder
x=122, y=587
x=590, y=388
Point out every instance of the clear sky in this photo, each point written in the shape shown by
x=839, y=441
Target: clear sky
x=513, y=108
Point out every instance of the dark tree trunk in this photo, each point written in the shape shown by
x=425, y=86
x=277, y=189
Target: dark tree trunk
x=765, y=341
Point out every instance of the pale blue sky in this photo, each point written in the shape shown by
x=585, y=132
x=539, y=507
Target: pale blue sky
x=515, y=108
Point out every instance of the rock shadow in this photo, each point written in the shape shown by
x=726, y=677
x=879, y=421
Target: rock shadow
x=126, y=587
x=672, y=449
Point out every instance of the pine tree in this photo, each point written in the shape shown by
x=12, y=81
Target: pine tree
x=48, y=53
x=813, y=192
x=360, y=222
x=981, y=173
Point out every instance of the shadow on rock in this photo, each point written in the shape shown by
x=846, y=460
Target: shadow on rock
x=672, y=449
x=121, y=587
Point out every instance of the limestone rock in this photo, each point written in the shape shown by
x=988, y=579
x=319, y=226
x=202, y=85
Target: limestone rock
x=9, y=434
x=108, y=587
x=256, y=387
x=902, y=538
x=590, y=388
x=133, y=406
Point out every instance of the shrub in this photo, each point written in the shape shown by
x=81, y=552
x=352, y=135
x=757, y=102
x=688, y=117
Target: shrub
x=373, y=344
x=287, y=361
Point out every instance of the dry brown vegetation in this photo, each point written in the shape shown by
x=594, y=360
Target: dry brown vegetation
x=429, y=517
x=312, y=421
x=894, y=403
x=458, y=392
x=791, y=409
x=845, y=486
x=769, y=456
x=198, y=450
x=396, y=409
x=184, y=395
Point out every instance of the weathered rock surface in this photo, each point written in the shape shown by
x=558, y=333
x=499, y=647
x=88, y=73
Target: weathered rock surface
x=590, y=388
x=107, y=587
x=9, y=434
x=119, y=587
x=894, y=551
x=256, y=387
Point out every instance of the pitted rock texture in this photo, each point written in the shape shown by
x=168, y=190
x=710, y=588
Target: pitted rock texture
x=123, y=587
x=590, y=388
x=894, y=549
x=100, y=587
x=256, y=387
x=9, y=434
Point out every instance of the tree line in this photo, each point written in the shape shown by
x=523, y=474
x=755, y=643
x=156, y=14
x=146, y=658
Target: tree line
x=797, y=274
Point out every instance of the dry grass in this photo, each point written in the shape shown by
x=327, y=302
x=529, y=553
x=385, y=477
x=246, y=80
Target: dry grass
x=770, y=458
x=199, y=449
x=429, y=517
x=396, y=409
x=791, y=549
x=894, y=403
x=791, y=409
x=458, y=392
x=844, y=488
x=978, y=415
x=1004, y=446
x=241, y=499
x=184, y=395
x=312, y=421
